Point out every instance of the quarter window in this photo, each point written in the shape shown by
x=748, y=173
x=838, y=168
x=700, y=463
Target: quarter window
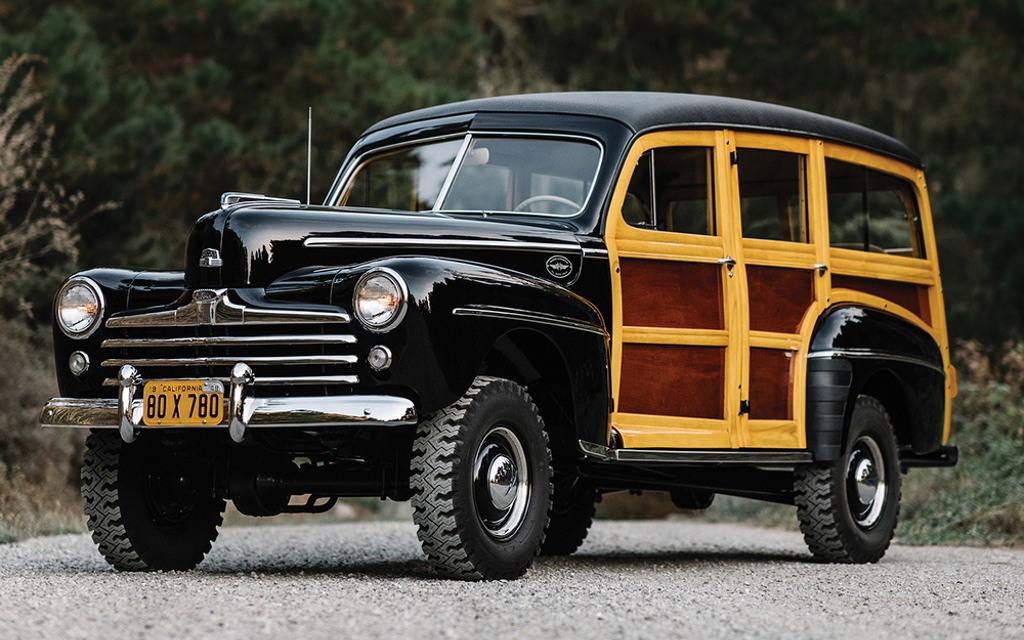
x=871, y=211
x=773, y=194
x=670, y=191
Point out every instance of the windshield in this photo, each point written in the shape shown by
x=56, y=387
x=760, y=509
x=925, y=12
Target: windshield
x=521, y=175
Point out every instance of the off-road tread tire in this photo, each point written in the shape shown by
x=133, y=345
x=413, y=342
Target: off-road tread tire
x=569, y=521
x=820, y=500
x=111, y=525
x=445, y=536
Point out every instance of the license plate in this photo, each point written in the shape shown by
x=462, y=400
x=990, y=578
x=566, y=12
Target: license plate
x=182, y=403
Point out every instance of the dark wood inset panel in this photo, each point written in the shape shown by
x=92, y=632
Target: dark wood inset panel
x=913, y=297
x=779, y=297
x=771, y=384
x=663, y=293
x=671, y=380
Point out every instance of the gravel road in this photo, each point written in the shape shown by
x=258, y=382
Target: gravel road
x=650, y=579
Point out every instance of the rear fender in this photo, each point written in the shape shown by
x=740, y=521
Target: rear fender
x=858, y=350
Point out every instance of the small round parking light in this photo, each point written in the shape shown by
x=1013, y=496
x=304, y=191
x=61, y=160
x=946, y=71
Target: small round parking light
x=78, y=363
x=379, y=358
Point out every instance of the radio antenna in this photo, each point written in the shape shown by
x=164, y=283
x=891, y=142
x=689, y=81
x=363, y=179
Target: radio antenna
x=309, y=156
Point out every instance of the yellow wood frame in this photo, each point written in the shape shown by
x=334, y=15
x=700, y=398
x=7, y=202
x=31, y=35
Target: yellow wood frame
x=624, y=242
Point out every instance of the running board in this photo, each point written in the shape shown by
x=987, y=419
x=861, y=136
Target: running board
x=758, y=457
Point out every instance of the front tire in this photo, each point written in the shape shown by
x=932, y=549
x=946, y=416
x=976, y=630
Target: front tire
x=573, y=506
x=481, y=480
x=848, y=508
x=149, y=508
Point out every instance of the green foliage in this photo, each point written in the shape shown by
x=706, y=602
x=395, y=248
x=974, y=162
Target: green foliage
x=981, y=500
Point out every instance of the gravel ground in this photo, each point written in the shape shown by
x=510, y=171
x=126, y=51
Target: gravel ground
x=650, y=579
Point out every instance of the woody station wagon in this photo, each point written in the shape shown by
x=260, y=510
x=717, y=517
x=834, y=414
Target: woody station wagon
x=510, y=306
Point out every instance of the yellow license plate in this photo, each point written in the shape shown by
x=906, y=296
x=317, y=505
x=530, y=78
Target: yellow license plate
x=182, y=403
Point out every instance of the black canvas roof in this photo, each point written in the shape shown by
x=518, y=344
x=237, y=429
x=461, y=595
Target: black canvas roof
x=642, y=111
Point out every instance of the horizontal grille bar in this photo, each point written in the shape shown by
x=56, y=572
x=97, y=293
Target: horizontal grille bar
x=275, y=381
x=213, y=361
x=228, y=341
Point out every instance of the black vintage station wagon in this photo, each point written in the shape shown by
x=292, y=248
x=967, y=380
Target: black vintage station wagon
x=507, y=307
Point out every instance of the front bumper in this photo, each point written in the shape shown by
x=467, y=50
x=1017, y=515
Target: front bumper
x=245, y=410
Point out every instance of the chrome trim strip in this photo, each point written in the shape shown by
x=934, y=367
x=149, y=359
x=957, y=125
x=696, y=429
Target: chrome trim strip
x=228, y=341
x=867, y=354
x=214, y=361
x=212, y=307
x=504, y=313
x=305, y=380
x=338, y=243
x=268, y=381
x=263, y=413
x=697, y=456
x=595, y=252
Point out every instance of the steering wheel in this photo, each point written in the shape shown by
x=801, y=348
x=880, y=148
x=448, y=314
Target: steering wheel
x=546, y=198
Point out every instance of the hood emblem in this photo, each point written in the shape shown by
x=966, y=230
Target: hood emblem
x=210, y=258
x=559, y=267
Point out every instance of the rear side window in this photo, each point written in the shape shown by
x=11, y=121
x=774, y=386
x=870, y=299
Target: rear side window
x=871, y=211
x=773, y=194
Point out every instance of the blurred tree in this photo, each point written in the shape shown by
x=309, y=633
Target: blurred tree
x=163, y=105
x=36, y=230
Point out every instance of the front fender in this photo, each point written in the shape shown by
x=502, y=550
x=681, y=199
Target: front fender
x=458, y=311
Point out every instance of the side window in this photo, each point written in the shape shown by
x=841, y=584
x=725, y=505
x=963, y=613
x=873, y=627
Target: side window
x=773, y=194
x=671, y=191
x=871, y=211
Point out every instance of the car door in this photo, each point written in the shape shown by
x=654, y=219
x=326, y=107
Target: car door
x=676, y=367
x=783, y=275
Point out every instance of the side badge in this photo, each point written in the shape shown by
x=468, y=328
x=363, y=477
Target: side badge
x=559, y=267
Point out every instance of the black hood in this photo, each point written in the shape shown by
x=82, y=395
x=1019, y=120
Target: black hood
x=257, y=243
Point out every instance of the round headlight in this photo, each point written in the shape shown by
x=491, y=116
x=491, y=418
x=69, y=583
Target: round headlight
x=79, y=307
x=379, y=299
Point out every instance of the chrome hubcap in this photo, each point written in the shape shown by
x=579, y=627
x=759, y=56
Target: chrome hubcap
x=866, y=488
x=501, y=483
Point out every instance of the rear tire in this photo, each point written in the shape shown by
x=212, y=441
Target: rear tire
x=481, y=481
x=149, y=508
x=848, y=508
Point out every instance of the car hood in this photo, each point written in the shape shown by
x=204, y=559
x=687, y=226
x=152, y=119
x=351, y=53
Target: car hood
x=251, y=245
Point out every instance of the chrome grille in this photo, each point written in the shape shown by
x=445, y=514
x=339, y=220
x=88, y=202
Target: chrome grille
x=280, y=354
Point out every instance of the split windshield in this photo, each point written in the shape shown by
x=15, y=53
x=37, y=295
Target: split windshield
x=479, y=174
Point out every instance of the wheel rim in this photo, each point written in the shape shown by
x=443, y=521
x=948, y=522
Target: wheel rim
x=501, y=483
x=866, y=488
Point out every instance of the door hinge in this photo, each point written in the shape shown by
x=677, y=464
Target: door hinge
x=744, y=407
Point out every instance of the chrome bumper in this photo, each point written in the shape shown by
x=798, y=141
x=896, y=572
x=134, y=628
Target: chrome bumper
x=245, y=411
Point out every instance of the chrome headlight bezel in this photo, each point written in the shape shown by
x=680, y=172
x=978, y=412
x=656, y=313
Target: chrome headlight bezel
x=92, y=317
x=374, y=316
